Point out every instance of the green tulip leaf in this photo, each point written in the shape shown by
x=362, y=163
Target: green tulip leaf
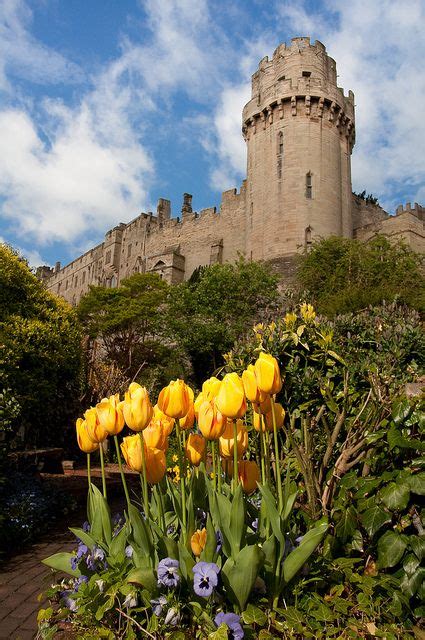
x=239, y=575
x=288, y=506
x=167, y=548
x=62, y=562
x=118, y=544
x=272, y=513
x=186, y=562
x=224, y=507
x=299, y=556
x=85, y=537
x=140, y=531
x=101, y=518
x=209, y=550
x=391, y=547
x=237, y=521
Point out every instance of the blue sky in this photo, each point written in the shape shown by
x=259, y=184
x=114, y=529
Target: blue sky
x=106, y=105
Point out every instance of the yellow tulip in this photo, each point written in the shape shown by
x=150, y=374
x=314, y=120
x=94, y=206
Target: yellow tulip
x=188, y=421
x=267, y=422
x=267, y=374
x=156, y=465
x=211, y=387
x=195, y=449
x=110, y=416
x=174, y=400
x=84, y=442
x=210, y=421
x=265, y=406
x=166, y=421
x=198, y=541
x=249, y=475
x=137, y=407
x=95, y=430
x=154, y=435
x=226, y=441
x=131, y=448
x=250, y=386
x=230, y=400
x=200, y=398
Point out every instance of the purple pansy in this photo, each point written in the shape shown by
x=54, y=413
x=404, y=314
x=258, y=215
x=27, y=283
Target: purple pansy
x=233, y=622
x=79, y=582
x=168, y=572
x=205, y=578
x=219, y=540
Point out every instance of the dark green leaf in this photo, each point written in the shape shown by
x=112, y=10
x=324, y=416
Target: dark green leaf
x=395, y=495
x=391, y=547
x=374, y=518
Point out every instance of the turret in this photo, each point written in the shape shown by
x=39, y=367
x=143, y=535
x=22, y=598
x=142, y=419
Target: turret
x=299, y=129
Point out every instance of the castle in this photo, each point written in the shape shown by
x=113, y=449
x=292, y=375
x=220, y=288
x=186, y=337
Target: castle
x=299, y=129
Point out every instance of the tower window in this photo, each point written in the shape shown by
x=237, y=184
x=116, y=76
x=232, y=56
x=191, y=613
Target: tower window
x=306, y=74
x=309, y=185
x=129, y=251
x=308, y=240
x=279, y=154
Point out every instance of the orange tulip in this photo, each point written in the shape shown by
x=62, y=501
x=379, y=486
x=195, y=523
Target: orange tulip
x=174, y=400
x=267, y=374
x=131, y=448
x=249, y=475
x=198, y=541
x=265, y=406
x=226, y=442
x=137, y=407
x=210, y=421
x=166, y=421
x=84, y=442
x=154, y=435
x=110, y=415
x=188, y=421
x=156, y=465
x=95, y=430
x=195, y=449
x=230, y=399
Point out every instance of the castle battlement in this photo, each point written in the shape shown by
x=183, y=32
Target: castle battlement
x=299, y=129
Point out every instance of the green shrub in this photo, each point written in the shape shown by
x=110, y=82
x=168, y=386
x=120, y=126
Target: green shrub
x=40, y=354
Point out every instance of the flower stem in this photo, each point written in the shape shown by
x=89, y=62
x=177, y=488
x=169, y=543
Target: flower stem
x=102, y=466
x=213, y=463
x=182, y=482
x=144, y=479
x=124, y=483
x=161, y=507
x=235, y=455
x=262, y=454
x=276, y=457
x=219, y=473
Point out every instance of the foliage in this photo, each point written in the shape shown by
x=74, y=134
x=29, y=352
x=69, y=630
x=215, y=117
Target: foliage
x=218, y=305
x=29, y=507
x=343, y=275
x=40, y=356
x=369, y=198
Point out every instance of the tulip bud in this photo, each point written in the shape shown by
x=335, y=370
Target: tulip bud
x=154, y=435
x=166, y=421
x=131, y=448
x=156, y=465
x=195, y=449
x=226, y=442
x=198, y=541
x=249, y=475
x=84, y=442
x=137, y=407
x=174, y=400
x=95, y=430
x=210, y=421
x=109, y=414
x=230, y=400
x=267, y=374
x=211, y=387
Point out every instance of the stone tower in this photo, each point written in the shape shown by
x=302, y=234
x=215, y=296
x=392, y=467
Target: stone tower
x=299, y=130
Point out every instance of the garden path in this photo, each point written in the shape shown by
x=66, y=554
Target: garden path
x=22, y=579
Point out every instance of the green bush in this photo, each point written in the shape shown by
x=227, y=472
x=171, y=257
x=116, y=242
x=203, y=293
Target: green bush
x=343, y=275
x=40, y=354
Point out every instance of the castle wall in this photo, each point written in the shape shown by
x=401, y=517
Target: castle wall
x=408, y=225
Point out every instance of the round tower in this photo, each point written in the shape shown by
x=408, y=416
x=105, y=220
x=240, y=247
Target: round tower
x=299, y=129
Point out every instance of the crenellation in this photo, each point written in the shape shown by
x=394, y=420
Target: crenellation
x=299, y=129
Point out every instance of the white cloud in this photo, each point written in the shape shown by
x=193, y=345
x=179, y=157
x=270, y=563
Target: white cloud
x=23, y=56
x=32, y=255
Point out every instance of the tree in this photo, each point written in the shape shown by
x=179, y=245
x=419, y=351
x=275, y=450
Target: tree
x=40, y=353
x=342, y=275
x=217, y=305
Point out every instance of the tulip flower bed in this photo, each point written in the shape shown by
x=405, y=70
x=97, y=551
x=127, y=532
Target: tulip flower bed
x=211, y=556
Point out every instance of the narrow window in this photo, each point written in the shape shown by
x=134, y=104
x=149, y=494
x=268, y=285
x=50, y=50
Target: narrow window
x=108, y=257
x=308, y=240
x=129, y=251
x=83, y=277
x=308, y=186
x=279, y=154
x=306, y=74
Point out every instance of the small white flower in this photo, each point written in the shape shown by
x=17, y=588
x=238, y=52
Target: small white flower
x=130, y=601
x=100, y=584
